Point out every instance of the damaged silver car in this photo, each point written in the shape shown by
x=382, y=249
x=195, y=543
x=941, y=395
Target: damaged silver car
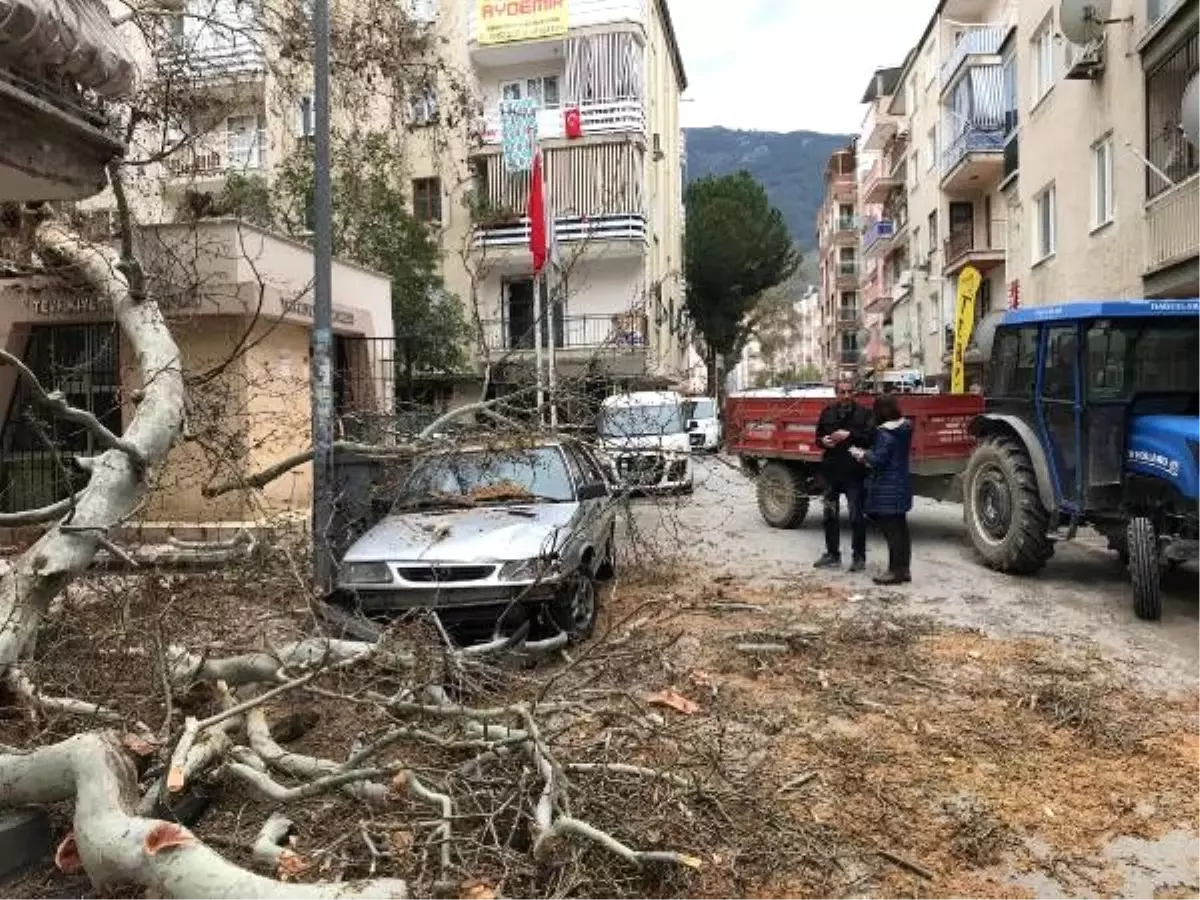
x=492, y=539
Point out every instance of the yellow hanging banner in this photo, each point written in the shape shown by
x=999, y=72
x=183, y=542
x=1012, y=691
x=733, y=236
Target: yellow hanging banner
x=505, y=21
x=964, y=322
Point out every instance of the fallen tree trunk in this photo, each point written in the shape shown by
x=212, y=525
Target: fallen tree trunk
x=119, y=479
x=117, y=847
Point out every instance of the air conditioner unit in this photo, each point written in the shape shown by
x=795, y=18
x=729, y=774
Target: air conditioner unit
x=1086, y=62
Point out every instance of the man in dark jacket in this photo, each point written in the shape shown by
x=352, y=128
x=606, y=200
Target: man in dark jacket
x=889, y=488
x=844, y=424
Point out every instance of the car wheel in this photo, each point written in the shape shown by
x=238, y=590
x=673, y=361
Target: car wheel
x=607, y=570
x=574, y=609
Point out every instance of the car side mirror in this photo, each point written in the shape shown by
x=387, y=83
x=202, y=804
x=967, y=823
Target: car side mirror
x=594, y=490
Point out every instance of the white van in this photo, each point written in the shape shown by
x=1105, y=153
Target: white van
x=704, y=427
x=643, y=438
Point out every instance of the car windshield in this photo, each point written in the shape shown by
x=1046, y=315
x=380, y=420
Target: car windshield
x=642, y=421
x=1133, y=357
x=704, y=409
x=477, y=477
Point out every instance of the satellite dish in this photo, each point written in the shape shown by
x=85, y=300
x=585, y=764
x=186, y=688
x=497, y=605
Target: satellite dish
x=1189, y=114
x=1082, y=21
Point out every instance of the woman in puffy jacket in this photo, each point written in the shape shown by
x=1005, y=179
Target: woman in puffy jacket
x=889, y=490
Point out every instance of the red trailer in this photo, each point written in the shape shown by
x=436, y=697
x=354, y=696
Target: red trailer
x=776, y=440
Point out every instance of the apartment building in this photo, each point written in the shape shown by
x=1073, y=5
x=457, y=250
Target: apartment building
x=838, y=258
x=606, y=77
x=884, y=276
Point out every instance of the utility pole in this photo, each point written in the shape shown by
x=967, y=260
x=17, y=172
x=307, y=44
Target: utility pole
x=322, y=334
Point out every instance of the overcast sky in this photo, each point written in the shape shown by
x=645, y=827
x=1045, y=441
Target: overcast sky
x=786, y=65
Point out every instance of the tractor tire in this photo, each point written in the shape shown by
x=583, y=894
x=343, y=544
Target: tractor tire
x=1144, y=569
x=781, y=497
x=1004, y=514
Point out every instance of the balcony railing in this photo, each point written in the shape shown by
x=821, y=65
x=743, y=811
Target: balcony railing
x=209, y=56
x=847, y=223
x=979, y=40
x=962, y=242
x=584, y=181
x=849, y=357
x=879, y=230
x=220, y=155
x=568, y=230
x=973, y=140
x=847, y=315
x=622, y=331
x=611, y=117
x=1173, y=225
x=847, y=268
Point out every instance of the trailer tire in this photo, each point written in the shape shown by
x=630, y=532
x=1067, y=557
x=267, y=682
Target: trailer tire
x=781, y=498
x=1004, y=514
x=1144, y=569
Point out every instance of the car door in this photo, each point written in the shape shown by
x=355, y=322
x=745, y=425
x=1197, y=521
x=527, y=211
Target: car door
x=1059, y=409
x=597, y=513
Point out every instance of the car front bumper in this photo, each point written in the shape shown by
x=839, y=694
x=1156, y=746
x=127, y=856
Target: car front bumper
x=651, y=472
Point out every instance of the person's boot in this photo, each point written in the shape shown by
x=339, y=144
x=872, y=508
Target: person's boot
x=858, y=564
x=892, y=578
x=828, y=561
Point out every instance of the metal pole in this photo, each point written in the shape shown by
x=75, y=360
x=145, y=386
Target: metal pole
x=322, y=334
x=552, y=362
x=538, y=320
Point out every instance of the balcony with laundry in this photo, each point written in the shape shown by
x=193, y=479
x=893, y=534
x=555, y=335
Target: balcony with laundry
x=213, y=45
x=973, y=131
x=506, y=32
x=572, y=102
x=884, y=176
x=593, y=192
x=61, y=64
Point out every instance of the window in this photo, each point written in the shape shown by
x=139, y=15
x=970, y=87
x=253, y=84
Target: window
x=1014, y=361
x=916, y=166
x=912, y=94
x=306, y=117
x=845, y=217
x=1167, y=148
x=1102, y=182
x=423, y=105
x=933, y=229
x=427, y=199
x=931, y=146
x=1044, y=227
x=244, y=142
x=1043, y=55
x=1156, y=9
x=1058, y=369
x=542, y=89
x=1127, y=357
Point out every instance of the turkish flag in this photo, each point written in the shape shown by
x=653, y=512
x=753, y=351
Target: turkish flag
x=573, y=123
x=537, y=215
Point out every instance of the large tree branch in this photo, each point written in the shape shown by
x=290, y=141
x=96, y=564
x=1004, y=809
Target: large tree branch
x=117, y=847
x=118, y=483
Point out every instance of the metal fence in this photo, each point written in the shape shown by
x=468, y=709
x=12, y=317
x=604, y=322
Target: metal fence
x=37, y=452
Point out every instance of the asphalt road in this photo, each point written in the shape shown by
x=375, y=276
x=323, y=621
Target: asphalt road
x=1081, y=596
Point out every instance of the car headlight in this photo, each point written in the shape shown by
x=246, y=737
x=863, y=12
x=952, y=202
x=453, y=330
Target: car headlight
x=540, y=569
x=366, y=573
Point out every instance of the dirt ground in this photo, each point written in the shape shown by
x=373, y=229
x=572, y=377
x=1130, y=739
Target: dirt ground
x=830, y=744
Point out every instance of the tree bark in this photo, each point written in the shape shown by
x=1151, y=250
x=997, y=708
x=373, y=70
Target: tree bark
x=116, y=847
x=118, y=482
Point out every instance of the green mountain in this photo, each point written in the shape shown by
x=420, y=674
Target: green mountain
x=790, y=165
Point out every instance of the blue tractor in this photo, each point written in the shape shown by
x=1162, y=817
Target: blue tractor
x=1091, y=419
